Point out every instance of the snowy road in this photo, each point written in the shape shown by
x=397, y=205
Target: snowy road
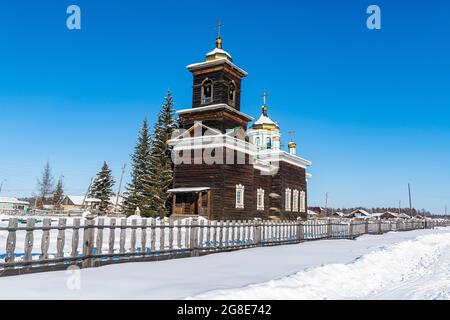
x=403, y=265
x=413, y=269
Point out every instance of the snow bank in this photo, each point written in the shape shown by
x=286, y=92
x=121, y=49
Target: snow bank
x=366, y=275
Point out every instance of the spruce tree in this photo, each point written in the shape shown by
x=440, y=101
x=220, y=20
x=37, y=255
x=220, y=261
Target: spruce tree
x=138, y=191
x=102, y=187
x=58, y=194
x=45, y=185
x=161, y=174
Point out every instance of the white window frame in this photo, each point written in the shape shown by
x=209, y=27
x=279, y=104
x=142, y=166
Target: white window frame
x=287, y=199
x=302, y=201
x=260, y=199
x=295, y=200
x=240, y=189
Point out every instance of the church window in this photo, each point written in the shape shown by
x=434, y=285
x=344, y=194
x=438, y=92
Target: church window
x=257, y=141
x=295, y=201
x=231, y=93
x=240, y=196
x=260, y=199
x=302, y=201
x=269, y=143
x=207, y=91
x=287, y=199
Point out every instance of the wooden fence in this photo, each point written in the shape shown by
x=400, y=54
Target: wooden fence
x=94, y=242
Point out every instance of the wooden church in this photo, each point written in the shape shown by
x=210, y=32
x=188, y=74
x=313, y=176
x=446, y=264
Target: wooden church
x=225, y=169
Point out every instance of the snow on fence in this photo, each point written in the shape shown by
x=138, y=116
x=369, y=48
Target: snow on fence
x=46, y=244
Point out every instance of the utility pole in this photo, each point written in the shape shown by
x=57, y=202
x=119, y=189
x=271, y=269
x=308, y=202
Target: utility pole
x=410, y=202
x=400, y=207
x=120, y=187
x=445, y=209
x=1, y=185
x=87, y=193
x=326, y=204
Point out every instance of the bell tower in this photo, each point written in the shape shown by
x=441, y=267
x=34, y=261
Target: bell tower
x=217, y=80
x=216, y=92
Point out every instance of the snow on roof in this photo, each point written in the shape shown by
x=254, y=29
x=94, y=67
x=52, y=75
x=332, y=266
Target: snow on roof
x=12, y=200
x=214, y=107
x=361, y=211
x=211, y=63
x=78, y=200
x=185, y=190
x=310, y=212
x=340, y=214
x=218, y=51
x=263, y=119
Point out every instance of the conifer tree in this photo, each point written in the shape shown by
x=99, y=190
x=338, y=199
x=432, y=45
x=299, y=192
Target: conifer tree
x=138, y=191
x=102, y=187
x=45, y=185
x=58, y=194
x=161, y=174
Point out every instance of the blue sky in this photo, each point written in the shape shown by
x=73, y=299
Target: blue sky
x=370, y=108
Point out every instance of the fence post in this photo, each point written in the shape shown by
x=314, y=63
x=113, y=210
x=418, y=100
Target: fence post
x=11, y=240
x=379, y=227
x=329, y=228
x=88, y=242
x=366, y=227
x=350, y=229
x=258, y=231
x=300, y=231
x=194, y=238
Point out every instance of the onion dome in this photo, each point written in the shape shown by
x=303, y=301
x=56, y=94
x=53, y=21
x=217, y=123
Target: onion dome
x=218, y=52
x=264, y=122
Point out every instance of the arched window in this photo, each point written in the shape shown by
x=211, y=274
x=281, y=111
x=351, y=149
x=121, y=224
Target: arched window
x=207, y=91
x=269, y=143
x=231, y=92
x=257, y=141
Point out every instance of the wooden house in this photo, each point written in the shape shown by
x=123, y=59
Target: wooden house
x=224, y=168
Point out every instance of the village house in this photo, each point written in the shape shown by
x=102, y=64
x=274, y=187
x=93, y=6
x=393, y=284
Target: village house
x=9, y=203
x=74, y=203
x=225, y=168
x=359, y=214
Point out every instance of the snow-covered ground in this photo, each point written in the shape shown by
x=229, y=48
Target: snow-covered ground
x=396, y=265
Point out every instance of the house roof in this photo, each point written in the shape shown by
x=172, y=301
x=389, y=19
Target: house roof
x=12, y=200
x=78, y=200
x=186, y=190
x=361, y=212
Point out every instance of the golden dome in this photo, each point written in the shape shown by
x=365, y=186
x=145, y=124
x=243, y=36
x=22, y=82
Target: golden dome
x=218, y=52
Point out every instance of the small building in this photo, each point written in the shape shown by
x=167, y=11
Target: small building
x=318, y=210
x=76, y=203
x=312, y=215
x=404, y=216
x=9, y=203
x=338, y=215
x=359, y=214
x=384, y=215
